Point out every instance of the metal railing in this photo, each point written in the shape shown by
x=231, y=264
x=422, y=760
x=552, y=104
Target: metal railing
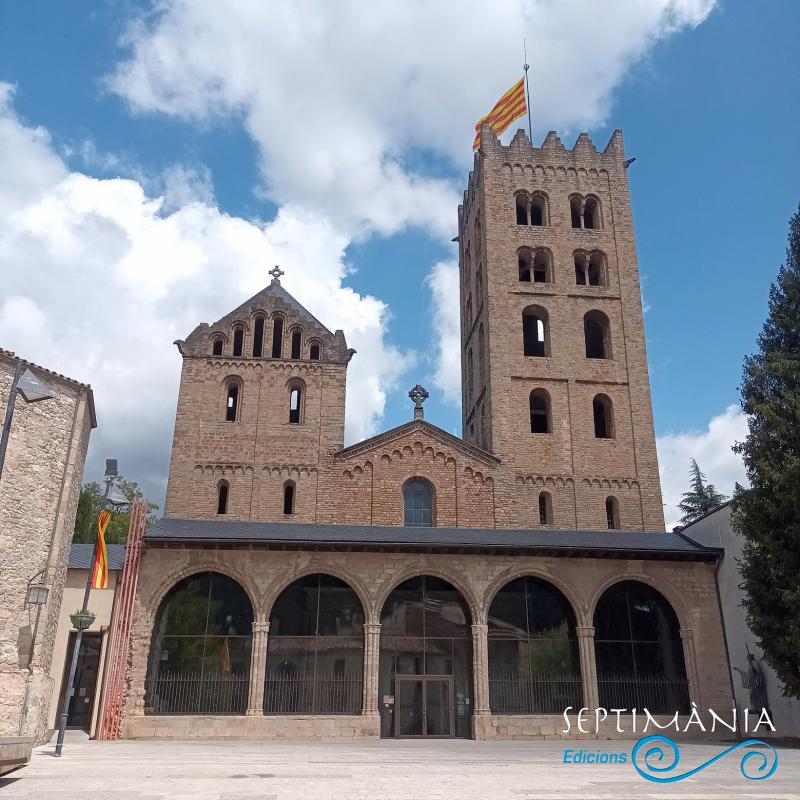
x=307, y=693
x=197, y=693
x=522, y=693
x=659, y=695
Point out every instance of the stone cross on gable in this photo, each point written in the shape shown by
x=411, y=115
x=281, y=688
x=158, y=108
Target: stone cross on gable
x=276, y=273
x=419, y=395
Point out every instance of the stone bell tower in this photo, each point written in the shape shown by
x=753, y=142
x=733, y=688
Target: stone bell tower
x=555, y=379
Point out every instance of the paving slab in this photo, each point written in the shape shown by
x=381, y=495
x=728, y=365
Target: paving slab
x=374, y=770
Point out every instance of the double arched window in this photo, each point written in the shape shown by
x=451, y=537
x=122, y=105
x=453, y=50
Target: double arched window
x=531, y=209
x=534, y=664
x=639, y=651
x=585, y=212
x=535, y=266
x=535, y=332
x=418, y=511
x=590, y=269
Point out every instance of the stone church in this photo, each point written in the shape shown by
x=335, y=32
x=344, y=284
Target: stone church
x=417, y=583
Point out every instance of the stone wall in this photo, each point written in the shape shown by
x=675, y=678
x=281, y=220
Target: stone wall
x=40, y=488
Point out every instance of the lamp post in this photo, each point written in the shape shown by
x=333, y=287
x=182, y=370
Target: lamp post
x=113, y=500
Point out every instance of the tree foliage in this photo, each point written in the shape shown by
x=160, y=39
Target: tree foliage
x=767, y=514
x=701, y=498
x=90, y=503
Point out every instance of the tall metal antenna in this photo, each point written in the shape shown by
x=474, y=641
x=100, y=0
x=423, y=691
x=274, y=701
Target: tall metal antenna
x=525, y=66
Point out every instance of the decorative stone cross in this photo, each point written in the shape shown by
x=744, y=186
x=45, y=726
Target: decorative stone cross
x=276, y=273
x=419, y=395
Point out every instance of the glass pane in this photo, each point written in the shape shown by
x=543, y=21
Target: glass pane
x=340, y=612
x=289, y=686
x=185, y=608
x=179, y=654
x=446, y=612
x=408, y=704
x=507, y=614
x=402, y=612
x=409, y=655
x=437, y=708
x=549, y=612
x=230, y=612
x=614, y=658
x=417, y=504
x=438, y=656
x=611, y=614
x=553, y=658
x=295, y=610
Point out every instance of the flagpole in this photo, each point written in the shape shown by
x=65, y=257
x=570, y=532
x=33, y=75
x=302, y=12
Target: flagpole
x=527, y=89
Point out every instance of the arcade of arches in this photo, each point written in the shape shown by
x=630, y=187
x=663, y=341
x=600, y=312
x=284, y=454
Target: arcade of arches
x=420, y=658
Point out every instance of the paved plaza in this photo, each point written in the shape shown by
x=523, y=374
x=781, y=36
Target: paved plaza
x=375, y=770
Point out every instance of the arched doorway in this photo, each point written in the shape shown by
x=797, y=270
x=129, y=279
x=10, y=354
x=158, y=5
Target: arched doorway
x=425, y=680
x=315, y=656
x=199, y=660
x=639, y=650
x=534, y=663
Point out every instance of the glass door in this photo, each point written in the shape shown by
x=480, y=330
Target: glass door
x=410, y=707
x=424, y=707
x=438, y=707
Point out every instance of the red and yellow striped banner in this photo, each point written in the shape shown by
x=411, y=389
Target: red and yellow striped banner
x=100, y=569
x=510, y=107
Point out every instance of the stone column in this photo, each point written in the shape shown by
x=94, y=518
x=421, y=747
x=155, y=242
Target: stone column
x=258, y=669
x=372, y=653
x=689, y=658
x=591, y=695
x=480, y=670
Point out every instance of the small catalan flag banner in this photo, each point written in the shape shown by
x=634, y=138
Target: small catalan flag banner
x=511, y=106
x=100, y=572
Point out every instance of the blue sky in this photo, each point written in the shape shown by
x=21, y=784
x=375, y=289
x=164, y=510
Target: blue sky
x=707, y=105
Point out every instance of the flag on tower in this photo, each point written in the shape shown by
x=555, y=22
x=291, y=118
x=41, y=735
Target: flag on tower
x=510, y=107
x=100, y=569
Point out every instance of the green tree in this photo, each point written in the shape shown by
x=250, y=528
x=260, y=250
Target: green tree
x=90, y=503
x=701, y=498
x=767, y=514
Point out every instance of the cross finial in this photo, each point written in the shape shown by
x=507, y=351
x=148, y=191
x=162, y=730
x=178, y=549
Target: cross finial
x=419, y=395
x=276, y=273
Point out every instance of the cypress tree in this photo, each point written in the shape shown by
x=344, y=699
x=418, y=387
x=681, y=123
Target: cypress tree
x=767, y=514
x=701, y=498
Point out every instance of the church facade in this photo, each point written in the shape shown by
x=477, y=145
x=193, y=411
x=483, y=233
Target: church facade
x=417, y=583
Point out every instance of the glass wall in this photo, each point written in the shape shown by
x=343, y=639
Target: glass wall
x=199, y=660
x=425, y=682
x=639, y=651
x=534, y=662
x=315, y=654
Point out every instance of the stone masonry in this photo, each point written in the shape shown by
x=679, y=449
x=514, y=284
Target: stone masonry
x=38, y=500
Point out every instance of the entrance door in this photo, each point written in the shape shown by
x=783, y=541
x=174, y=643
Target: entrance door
x=424, y=706
x=81, y=704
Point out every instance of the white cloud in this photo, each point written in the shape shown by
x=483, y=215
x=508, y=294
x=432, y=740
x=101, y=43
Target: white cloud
x=712, y=451
x=99, y=279
x=443, y=282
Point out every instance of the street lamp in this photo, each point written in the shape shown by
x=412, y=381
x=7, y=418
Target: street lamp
x=32, y=391
x=115, y=501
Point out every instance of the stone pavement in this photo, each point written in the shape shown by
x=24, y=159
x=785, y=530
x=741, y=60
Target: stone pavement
x=375, y=770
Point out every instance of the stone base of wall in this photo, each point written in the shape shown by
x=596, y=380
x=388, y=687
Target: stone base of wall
x=16, y=685
x=267, y=727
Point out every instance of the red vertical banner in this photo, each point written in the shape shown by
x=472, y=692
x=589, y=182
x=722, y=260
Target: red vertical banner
x=100, y=569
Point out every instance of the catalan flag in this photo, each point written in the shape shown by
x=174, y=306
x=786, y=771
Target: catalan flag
x=100, y=571
x=511, y=106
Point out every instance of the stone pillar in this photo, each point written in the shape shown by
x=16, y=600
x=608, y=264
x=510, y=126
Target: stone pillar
x=591, y=695
x=480, y=670
x=689, y=658
x=258, y=669
x=372, y=654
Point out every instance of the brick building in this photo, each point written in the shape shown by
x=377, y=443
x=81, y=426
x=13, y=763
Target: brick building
x=417, y=583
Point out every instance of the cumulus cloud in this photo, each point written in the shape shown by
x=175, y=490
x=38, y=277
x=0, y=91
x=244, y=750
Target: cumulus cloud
x=100, y=277
x=712, y=451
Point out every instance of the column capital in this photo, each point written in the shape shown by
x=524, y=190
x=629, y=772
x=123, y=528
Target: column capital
x=585, y=631
x=479, y=628
x=260, y=627
x=372, y=628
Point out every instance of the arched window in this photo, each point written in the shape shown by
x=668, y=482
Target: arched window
x=545, y=508
x=199, y=661
x=238, y=341
x=470, y=374
x=216, y=346
x=534, y=663
x=539, y=209
x=521, y=204
x=297, y=343
x=232, y=400
x=639, y=651
x=580, y=269
x=596, y=272
x=314, y=352
x=597, y=335
x=603, y=417
x=418, y=504
x=426, y=660
x=542, y=266
x=591, y=213
x=277, y=337
x=612, y=513
x=222, y=497
x=315, y=659
x=288, y=497
x=524, y=264
x=540, y=411
x=295, y=404
x=575, y=209
x=258, y=337
x=535, y=333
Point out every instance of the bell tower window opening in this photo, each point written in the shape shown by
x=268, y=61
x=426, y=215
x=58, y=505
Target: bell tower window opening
x=545, y=508
x=541, y=267
x=222, y=497
x=297, y=343
x=576, y=217
x=521, y=204
x=258, y=337
x=295, y=400
x=596, y=333
x=538, y=211
x=288, y=498
x=612, y=513
x=540, y=411
x=277, y=337
x=216, y=347
x=232, y=402
x=524, y=265
x=534, y=332
x=603, y=417
x=313, y=352
x=596, y=272
x=591, y=213
x=238, y=341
